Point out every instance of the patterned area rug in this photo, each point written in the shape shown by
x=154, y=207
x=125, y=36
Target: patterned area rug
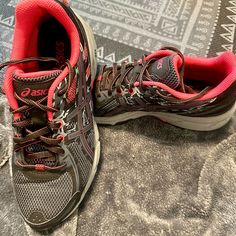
x=154, y=179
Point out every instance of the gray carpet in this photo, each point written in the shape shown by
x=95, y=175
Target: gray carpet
x=153, y=178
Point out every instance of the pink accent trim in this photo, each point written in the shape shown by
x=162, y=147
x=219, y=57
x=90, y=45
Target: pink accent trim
x=39, y=167
x=71, y=94
x=161, y=53
x=99, y=78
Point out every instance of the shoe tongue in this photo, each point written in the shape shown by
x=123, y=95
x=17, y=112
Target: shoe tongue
x=166, y=70
x=34, y=86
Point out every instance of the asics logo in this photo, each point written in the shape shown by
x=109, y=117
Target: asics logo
x=160, y=64
x=60, y=52
x=34, y=93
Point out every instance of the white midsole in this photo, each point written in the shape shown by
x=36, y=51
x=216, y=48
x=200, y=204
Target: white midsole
x=187, y=122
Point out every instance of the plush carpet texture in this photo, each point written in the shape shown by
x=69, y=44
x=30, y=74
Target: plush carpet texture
x=153, y=178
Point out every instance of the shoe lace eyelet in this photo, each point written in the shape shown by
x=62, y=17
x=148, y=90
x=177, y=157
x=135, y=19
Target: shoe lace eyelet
x=61, y=138
x=119, y=92
x=131, y=91
x=61, y=122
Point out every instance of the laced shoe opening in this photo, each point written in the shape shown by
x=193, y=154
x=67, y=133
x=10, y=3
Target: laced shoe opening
x=40, y=24
x=214, y=72
x=53, y=41
x=44, y=34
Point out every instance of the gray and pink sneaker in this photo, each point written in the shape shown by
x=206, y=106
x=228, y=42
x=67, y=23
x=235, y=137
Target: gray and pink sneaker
x=188, y=92
x=48, y=86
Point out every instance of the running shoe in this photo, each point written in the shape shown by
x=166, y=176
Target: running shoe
x=188, y=92
x=48, y=86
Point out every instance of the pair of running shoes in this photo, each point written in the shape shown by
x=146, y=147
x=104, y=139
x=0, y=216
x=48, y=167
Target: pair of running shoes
x=57, y=94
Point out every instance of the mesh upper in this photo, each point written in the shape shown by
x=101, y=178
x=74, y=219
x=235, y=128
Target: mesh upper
x=84, y=165
x=38, y=147
x=47, y=197
x=165, y=72
x=172, y=79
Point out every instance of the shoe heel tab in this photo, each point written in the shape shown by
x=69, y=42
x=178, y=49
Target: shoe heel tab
x=229, y=56
x=227, y=59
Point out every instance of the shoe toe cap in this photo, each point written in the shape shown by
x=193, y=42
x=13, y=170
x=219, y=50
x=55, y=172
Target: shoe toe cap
x=41, y=201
